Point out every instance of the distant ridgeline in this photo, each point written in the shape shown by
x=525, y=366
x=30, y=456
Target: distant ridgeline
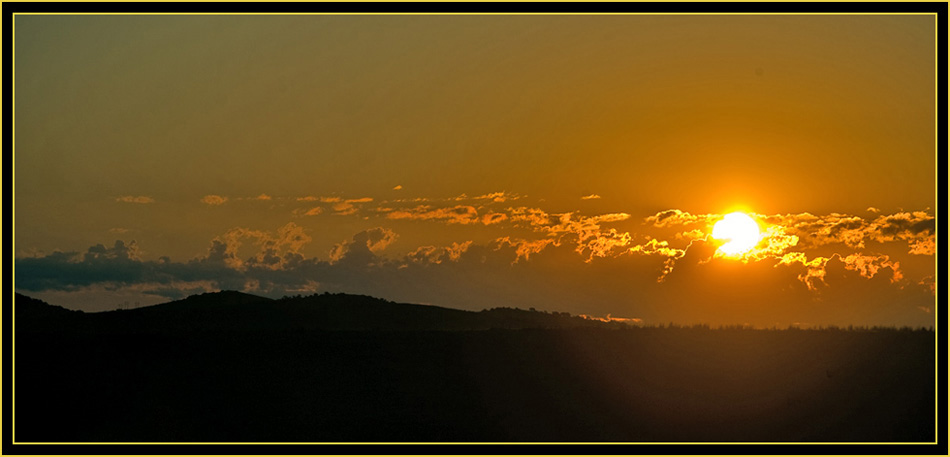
x=230, y=310
x=233, y=367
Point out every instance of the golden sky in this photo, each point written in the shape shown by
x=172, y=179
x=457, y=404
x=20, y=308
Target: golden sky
x=565, y=162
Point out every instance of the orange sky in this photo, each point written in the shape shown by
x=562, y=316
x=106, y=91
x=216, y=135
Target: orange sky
x=570, y=163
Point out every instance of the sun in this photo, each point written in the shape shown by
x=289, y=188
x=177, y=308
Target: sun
x=739, y=230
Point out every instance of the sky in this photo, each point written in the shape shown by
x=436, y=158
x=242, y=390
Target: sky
x=563, y=162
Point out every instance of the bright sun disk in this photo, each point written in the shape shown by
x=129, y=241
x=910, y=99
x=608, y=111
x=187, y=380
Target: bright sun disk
x=739, y=230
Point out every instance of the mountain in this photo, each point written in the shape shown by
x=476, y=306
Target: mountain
x=39, y=309
x=231, y=310
x=233, y=367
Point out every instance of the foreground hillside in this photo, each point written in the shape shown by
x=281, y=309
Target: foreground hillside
x=124, y=378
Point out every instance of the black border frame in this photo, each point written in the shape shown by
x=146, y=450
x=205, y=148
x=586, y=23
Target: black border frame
x=9, y=9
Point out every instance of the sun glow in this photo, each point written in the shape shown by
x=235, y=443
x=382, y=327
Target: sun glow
x=740, y=232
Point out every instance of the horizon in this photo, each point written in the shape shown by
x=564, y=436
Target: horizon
x=571, y=163
x=631, y=323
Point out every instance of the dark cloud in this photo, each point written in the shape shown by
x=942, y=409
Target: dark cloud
x=364, y=246
x=72, y=270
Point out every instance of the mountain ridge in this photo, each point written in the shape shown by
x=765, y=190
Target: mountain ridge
x=232, y=310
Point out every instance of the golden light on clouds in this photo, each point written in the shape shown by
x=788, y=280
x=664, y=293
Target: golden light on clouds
x=214, y=200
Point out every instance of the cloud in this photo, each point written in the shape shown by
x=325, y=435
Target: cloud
x=528, y=255
x=411, y=200
x=923, y=247
x=832, y=228
x=399, y=187
x=494, y=218
x=119, y=250
x=524, y=248
x=674, y=217
x=498, y=197
x=491, y=197
x=544, y=272
x=313, y=211
x=586, y=232
x=340, y=206
x=656, y=247
x=131, y=199
x=612, y=217
x=592, y=240
x=458, y=214
x=775, y=242
x=73, y=270
x=917, y=225
x=311, y=198
x=275, y=250
x=263, y=197
x=690, y=235
x=344, y=209
x=916, y=228
x=214, y=200
x=787, y=238
x=590, y=197
x=436, y=255
x=604, y=244
x=532, y=217
x=869, y=265
x=364, y=246
x=814, y=269
x=376, y=239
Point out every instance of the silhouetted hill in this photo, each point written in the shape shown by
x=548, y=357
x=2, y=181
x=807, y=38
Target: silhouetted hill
x=230, y=310
x=232, y=367
x=39, y=309
x=42, y=315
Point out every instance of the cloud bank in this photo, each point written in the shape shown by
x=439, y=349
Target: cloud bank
x=823, y=269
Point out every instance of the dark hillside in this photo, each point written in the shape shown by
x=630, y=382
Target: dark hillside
x=232, y=311
x=299, y=383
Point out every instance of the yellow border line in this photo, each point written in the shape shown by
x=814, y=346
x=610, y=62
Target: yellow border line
x=936, y=218
x=13, y=243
